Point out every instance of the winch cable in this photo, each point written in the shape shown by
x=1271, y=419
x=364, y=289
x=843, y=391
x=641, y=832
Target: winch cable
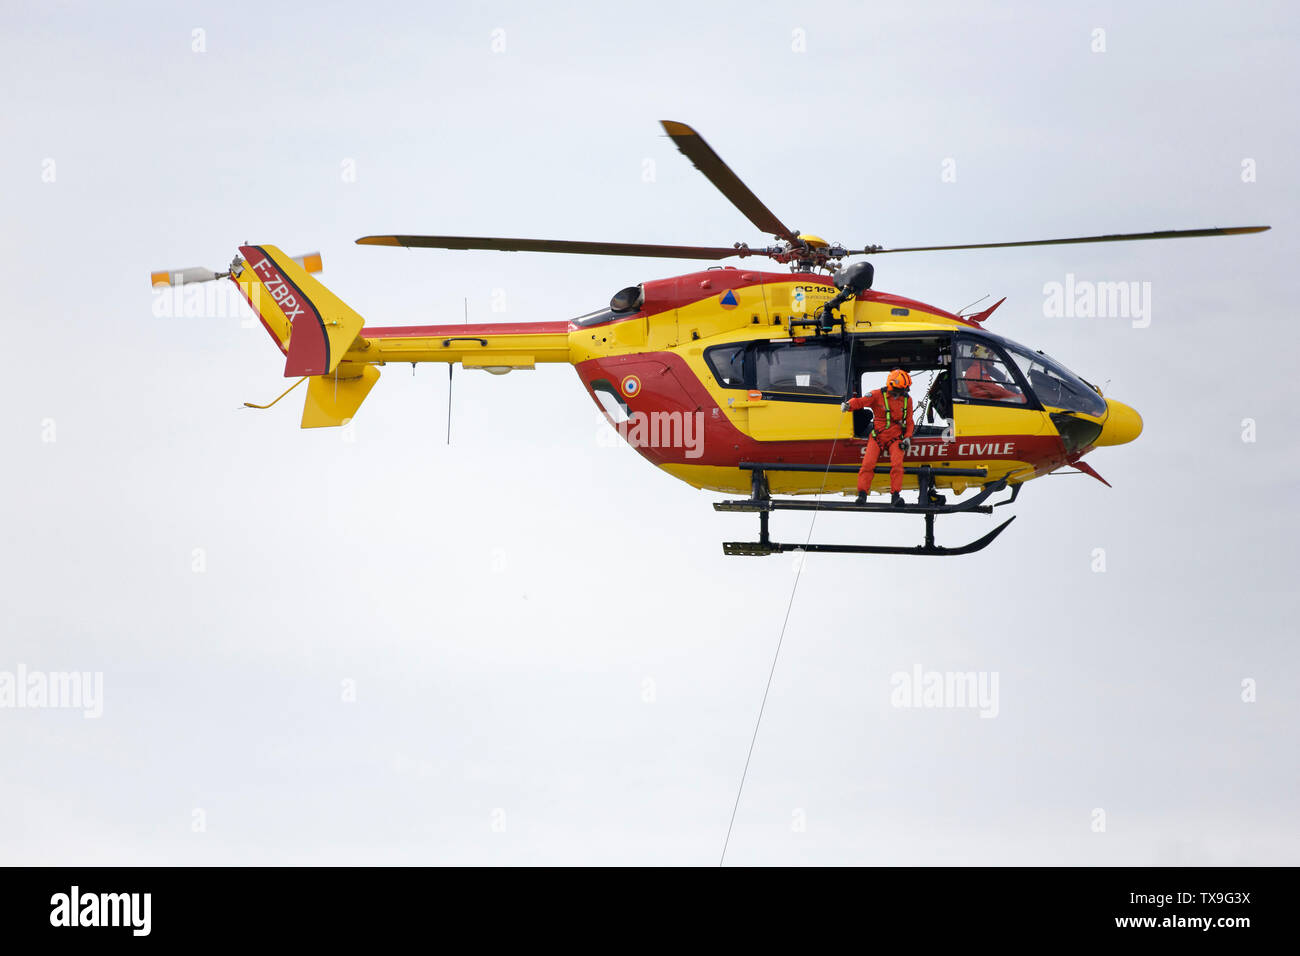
x=798, y=573
x=924, y=407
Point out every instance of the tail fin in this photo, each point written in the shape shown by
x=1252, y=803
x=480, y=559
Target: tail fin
x=312, y=326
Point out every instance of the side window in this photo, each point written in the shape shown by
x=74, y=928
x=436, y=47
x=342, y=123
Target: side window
x=728, y=364
x=982, y=376
x=809, y=368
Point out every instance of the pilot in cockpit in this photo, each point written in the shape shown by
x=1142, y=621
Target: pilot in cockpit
x=982, y=377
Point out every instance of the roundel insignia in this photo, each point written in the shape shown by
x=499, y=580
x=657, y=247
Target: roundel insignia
x=728, y=299
x=631, y=386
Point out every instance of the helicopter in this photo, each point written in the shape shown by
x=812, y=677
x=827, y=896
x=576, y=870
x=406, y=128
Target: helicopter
x=732, y=379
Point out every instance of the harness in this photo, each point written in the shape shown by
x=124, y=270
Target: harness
x=907, y=413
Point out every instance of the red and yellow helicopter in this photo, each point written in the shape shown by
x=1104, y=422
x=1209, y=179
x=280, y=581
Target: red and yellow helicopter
x=732, y=379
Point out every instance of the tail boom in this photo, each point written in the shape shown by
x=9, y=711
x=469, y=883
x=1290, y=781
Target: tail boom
x=493, y=346
x=322, y=341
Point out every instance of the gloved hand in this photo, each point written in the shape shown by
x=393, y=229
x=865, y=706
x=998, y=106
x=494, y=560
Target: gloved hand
x=844, y=406
x=905, y=444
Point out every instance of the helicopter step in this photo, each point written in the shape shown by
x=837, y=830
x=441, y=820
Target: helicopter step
x=762, y=503
x=761, y=500
x=971, y=505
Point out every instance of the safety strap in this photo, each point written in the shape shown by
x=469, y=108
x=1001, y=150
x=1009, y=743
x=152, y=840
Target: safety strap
x=907, y=413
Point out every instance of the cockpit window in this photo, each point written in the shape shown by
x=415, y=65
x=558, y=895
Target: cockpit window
x=1056, y=386
x=982, y=375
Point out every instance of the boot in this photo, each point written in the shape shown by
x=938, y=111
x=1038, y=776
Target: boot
x=861, y=499
x=896, y=500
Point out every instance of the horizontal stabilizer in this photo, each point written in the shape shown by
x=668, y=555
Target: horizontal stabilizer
x=334, y=399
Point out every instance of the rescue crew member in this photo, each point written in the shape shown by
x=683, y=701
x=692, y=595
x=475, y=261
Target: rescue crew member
x=891, y=429
x=982, y=379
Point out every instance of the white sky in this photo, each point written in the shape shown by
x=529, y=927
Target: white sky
x=501, y=603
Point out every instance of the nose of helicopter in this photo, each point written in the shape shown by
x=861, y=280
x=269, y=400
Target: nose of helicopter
x=1122, y=425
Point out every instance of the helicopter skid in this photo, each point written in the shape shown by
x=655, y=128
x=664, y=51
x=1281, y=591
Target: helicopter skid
x=758, y=548
x=762, y=503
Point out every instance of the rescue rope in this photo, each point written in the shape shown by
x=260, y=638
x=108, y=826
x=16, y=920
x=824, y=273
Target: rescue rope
x=781, y=639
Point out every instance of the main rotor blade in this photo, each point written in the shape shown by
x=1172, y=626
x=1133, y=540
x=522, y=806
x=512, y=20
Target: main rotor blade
x=554, y=245
x=1122, y=237
x=694, y=148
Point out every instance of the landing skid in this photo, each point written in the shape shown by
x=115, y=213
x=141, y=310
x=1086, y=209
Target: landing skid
x=762, y=503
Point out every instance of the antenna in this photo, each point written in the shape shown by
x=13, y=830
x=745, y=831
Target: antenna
x=450, y=369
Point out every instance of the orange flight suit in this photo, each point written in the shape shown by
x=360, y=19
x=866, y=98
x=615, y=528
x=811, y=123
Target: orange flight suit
x=980, y=383
x=888, y=426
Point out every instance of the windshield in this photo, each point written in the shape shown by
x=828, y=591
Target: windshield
x=1055, y=385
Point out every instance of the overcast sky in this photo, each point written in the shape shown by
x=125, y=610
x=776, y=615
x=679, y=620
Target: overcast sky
x=552, y=660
